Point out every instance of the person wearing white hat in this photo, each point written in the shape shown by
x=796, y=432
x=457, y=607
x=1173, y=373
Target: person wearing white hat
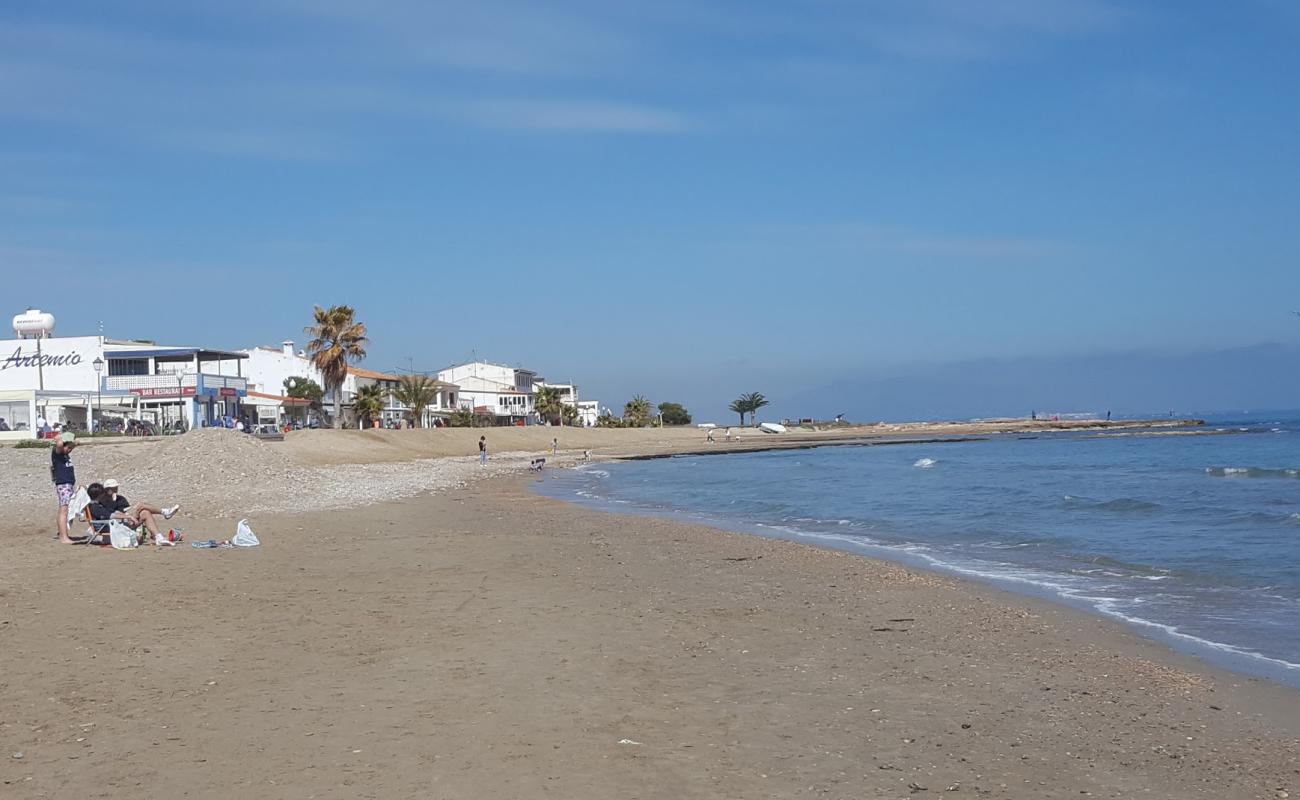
x=115, y=501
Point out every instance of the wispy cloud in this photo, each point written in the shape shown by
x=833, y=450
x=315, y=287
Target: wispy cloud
x=570, y=116
x=853, y=240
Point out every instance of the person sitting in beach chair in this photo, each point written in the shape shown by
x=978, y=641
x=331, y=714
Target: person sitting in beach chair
x=537, y=464
x=102, y=510
x=118, y=502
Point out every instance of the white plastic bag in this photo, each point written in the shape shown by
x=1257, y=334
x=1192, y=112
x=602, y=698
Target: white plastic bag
x=244, y=536
x=122, y=537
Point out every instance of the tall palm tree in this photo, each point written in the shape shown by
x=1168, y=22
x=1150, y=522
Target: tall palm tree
x=337, y=339
x=370, y=401
x=753, y=402
x=416, y=392
x=549, y=405
x=741, y=406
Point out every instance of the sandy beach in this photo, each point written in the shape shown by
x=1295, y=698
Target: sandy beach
x=480, y=640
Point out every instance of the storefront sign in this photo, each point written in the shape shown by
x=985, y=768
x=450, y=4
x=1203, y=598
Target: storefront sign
x=65, y=363
x=228, y=392
x=164, y=391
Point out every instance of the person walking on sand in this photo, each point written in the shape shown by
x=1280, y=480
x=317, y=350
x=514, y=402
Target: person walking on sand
x=482, y=449
x=555, y=445
x=709, y=438
x=65, y=479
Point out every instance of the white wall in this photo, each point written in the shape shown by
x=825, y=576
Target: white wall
x=67, y=363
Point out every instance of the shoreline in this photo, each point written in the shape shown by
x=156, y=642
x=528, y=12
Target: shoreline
x=489, y=641
x=1212, y=654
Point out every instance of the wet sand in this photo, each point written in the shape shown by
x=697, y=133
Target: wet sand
x=490, y=642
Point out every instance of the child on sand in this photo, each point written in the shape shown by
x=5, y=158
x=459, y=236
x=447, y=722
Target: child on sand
x=65, y=479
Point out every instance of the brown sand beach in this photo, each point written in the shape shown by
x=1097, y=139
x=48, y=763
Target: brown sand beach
x=484, y=641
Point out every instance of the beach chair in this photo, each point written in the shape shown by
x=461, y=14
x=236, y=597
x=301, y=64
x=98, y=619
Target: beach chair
x=537, y=464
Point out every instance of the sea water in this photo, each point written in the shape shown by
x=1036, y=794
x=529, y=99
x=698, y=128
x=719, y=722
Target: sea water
x=1192, y=539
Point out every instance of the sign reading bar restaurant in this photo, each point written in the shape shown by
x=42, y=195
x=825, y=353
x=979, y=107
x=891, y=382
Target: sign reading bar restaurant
x=65, y=363
x=164, y=391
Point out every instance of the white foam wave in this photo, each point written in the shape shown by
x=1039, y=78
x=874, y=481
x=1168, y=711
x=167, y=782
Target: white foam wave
x=925, y=463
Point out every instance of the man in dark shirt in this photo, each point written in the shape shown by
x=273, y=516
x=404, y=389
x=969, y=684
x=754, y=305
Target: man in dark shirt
x=65, y=479
x=118, y=502
x=103, y=507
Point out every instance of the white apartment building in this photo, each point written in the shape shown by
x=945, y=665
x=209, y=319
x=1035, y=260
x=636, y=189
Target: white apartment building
x=269, y=367
x=495, y=390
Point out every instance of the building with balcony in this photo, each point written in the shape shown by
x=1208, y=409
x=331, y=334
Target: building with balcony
x=503, y=394
x=70, y=379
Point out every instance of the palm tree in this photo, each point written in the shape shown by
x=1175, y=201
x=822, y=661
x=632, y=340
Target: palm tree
x=370, y=401
x=741, y=406
x=753, y=402
x=416, y=392
x=337, y=339
x=636, y=412
x=549, y=405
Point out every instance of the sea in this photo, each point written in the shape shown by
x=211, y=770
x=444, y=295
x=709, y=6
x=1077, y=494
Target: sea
x=1192, y=537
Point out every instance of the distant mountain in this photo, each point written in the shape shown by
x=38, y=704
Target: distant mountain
x=1260, y=376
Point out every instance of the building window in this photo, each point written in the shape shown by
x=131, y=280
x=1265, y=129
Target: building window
x=128, y=366
x=13, y=417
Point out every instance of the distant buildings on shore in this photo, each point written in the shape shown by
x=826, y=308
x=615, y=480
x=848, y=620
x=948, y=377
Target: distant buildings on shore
x=80, y=381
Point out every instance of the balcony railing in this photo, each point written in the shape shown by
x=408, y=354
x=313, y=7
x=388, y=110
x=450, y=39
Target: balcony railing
x=167, y=386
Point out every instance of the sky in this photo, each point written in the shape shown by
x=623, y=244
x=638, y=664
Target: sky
x=678, y=199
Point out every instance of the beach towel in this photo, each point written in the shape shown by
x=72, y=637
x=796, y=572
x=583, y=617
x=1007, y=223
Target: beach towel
x=78, y=504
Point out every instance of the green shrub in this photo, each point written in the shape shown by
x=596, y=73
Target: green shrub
x=26, y=444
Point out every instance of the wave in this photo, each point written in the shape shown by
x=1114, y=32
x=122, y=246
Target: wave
x=925, y=463
x=1120, y=504
x=1251, y=472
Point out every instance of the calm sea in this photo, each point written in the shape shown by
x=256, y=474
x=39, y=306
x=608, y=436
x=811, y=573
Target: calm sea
x=1194, y=540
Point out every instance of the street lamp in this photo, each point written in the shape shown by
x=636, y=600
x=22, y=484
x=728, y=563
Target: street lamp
x=180, y=400
x=98, y=364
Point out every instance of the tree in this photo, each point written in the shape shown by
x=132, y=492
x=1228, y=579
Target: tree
x=608, y=420
x=741, y=406
x=570, y=415
x=549, y=404
x=462, y=418
x=337, y=340
x=369, y=402
x=674, y=414
x=636, y=412
x=753, y=402
x=416, y=392
x=306, y=389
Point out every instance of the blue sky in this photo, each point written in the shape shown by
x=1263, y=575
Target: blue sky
x=686, y=200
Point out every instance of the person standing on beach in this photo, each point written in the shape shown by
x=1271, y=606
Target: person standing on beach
x=555, y=445
x=65, y=479
x=482, y=449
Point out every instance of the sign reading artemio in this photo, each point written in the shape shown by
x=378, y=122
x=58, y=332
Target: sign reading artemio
x=65, y=363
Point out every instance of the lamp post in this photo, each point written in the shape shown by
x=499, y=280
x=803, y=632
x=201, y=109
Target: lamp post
x=98, y=364
x=180, y=400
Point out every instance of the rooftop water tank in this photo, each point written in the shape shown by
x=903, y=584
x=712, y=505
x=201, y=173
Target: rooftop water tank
x=34, y=324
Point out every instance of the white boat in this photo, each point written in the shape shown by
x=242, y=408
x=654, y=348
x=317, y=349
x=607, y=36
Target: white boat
x=771, y=427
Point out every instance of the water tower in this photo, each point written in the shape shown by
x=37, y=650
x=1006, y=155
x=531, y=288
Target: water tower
x=34, y=324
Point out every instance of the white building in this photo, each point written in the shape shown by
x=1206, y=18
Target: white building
x=269, y=367
x=65, y=379
x=494, y=390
